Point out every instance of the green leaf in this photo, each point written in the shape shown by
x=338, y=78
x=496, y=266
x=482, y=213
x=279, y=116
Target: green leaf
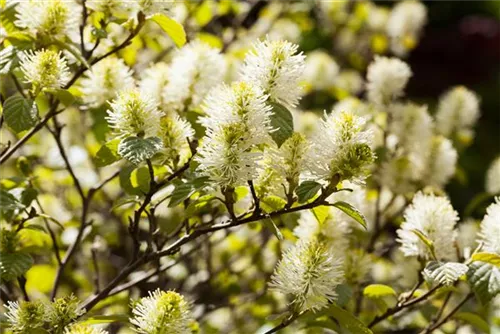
x=107, y=154
x=282, y=123
x=484, y=280
x=348, y=321
x=171, y=27
x=197, y=206
x=125, y=200
x=490, y=258
x=8, y=202
x=351, y=211
x=13, y=265
x=20, y=39
x=344, y=294
x=28, y=196
x=183, y=191
x=425, y=240
x=321, y=213
x=474, y=320
x=476, y=202
x=62, y=95
x=444, y=273
x=20, y=114
x=272, y=203
x=106, y=319
x=378, y=291
x=269, y=223
x=306, y=190
x=137, y=150
x=35, y=228
x=140, y=178
x=8, y=17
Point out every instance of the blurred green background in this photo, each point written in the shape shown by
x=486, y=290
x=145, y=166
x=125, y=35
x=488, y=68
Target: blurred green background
x=461, y=46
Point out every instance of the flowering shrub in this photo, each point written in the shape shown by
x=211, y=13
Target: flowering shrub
x=160, y=174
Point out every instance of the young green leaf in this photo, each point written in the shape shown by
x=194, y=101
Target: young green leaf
x=378, y=291
x=490, y=258
x=13, y=265
x=306, y=190
x=348, y=321
x=107, y=154
x=484, y=280
x=20, y=114
x=351, y=211
x=183, y=191
x=444, y=273
x=173, y=29
x=137, y=150
x=282, y=123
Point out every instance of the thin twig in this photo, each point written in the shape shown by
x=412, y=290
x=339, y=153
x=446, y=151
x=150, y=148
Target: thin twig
x=448, y=316
x=402, y=306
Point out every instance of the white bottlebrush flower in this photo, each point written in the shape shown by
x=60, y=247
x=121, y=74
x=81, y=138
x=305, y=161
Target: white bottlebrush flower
x=109, y=7
x=154, y=80
x=435, y=218
x=341, y=147
x=44, y=69
x=320, y=70
x=457, y=113
x=49, y=18
x=333, y=230
x=162, y=313
x=467, y=237
x=378, y=17
x=25, y=317
x=412, y=126
x=490, y=228
x=226, y=155
x=62, y=312
x=284, y=29
x=275, y=67
x=174, y=133
x=134, y=113
x=289, y=160
x=387, y=79
x=150, y=7
x=442, y=162
x=105, y=80
x=398, y=175
x=83, y=329
x=194, y=71
x=239, y=103
x=309, y=273
x=349, y=82
x=493, y=177
x=353, y=104
x=405, y=23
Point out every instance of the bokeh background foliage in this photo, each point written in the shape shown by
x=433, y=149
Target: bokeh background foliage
x=460, y=45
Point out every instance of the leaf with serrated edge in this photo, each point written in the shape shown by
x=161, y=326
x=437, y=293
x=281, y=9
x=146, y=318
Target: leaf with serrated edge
x=136, y=149
x=351, y=212
x=444, y=273
x=306, y=190
x=484, y=279
x=281, y=122
x=20, y=114
x=13, y=265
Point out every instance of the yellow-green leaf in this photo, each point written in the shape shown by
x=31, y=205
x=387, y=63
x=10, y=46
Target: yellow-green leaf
x=171, y=27
x=378, y=291
x=490, y=258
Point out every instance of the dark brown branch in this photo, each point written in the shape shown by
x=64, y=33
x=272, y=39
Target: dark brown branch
x=448, y=316
x=402, y=306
